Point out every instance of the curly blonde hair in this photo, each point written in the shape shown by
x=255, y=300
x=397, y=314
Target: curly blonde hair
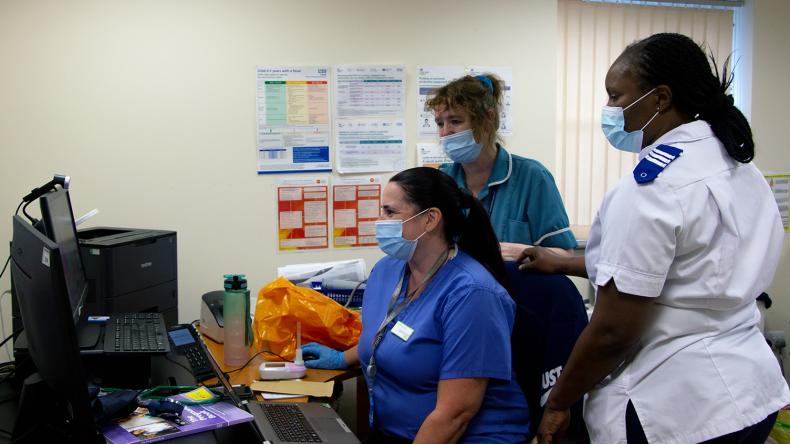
x=479, y=96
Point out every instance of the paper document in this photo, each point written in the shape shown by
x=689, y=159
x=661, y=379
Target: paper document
x=370, y=91
x=370, y=145
x=302, y=214
x=356, y=205
x=431, y=155
x=430, y=78
x=780, y=186
x=270, y=396
x=295, y=387
x=303, y=274
x=506, y=75
x=293, y=119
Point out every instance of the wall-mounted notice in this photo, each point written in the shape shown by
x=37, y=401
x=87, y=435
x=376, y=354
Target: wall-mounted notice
x=370, y=145
x=430, y=78
x=293, y=119
x=431, y=155
x=506, y=113
x=355, y=209
x=370, y=91
x=302, y=221
x=780, y=185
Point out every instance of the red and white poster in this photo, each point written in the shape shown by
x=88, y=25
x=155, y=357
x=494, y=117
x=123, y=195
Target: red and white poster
x=356, y=203
x=302, y=219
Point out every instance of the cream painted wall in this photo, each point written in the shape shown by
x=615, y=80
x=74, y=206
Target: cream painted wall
x=150, y=106
x=770, y=118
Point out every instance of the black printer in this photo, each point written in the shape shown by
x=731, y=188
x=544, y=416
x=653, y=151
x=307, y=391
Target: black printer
x=130, y=270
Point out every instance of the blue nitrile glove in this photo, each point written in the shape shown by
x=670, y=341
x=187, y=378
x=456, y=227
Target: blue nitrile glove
x=319, y=356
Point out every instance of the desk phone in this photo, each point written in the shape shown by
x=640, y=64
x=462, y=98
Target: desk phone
x=185, y=341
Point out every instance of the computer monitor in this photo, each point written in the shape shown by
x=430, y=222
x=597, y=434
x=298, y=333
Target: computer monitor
x=55, y=399
x=58, y=223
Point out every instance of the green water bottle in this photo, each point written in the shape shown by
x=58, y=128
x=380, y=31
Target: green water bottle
x=236, y=314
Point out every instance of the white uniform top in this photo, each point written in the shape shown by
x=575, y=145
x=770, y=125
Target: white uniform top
x=704, y=239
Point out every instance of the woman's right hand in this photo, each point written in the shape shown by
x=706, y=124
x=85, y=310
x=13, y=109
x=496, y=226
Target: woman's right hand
x=540, y=259
x=323, y=357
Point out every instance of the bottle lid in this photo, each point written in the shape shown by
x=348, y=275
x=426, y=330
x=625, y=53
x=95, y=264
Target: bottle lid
x=235, y=282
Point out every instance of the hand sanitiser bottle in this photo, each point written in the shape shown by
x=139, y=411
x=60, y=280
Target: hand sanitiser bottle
x=236, y=314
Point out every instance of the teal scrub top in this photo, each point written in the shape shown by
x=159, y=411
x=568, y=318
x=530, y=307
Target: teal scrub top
x=522, y=200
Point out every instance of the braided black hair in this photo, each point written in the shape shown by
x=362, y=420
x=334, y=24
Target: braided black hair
x=698, y=91
x=466, y=222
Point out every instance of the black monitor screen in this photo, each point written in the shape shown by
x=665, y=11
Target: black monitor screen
x=40, y=290
x=58, y=220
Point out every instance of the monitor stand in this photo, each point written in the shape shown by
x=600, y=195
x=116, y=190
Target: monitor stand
x=42, y=416
x=88, y=335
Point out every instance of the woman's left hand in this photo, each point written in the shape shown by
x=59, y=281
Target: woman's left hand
x=511, y=251
x=552, y=426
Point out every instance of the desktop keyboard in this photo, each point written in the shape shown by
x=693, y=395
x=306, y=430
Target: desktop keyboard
x=136, y=333
x=289, y=423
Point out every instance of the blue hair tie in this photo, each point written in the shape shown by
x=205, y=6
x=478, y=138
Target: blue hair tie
x=486, y=82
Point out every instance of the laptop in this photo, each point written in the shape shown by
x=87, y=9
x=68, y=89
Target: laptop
x=290, y=422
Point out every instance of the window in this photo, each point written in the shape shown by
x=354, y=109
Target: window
x=591, y=36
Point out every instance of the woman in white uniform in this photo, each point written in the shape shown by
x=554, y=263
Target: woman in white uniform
x=679, y=251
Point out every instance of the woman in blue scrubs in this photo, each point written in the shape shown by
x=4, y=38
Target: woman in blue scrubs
x=518, y=193
x=436, y=321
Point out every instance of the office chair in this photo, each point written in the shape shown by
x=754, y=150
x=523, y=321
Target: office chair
x=550, y=315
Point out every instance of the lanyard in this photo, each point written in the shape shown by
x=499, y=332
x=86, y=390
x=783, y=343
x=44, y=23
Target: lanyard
x=393, y=311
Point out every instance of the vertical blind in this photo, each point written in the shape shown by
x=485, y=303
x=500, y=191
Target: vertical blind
x=591, y=36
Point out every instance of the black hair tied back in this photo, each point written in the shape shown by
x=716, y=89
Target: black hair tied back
x=466, y=222
x=698, y=91
x=726, y=120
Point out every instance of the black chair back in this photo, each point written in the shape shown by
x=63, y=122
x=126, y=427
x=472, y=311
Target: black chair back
x=550, y=315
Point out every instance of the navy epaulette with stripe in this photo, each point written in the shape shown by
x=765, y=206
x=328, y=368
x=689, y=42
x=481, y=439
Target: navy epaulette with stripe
x=654, y=163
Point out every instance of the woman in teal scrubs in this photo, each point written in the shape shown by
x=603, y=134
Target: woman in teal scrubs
x=519, y=194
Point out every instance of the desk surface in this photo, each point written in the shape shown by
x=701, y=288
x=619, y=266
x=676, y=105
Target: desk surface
x=247, y=375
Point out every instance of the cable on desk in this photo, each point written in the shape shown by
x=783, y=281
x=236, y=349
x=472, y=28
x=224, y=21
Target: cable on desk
x=253, y=357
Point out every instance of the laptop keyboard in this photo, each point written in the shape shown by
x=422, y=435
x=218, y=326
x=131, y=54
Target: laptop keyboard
x=289, y=423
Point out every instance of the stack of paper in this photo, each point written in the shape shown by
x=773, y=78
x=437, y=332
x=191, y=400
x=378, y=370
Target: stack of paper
x=295, y=387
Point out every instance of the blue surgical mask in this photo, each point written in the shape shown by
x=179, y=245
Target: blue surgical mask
x=461, y=147
x=389, y=233
x=613, y=126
